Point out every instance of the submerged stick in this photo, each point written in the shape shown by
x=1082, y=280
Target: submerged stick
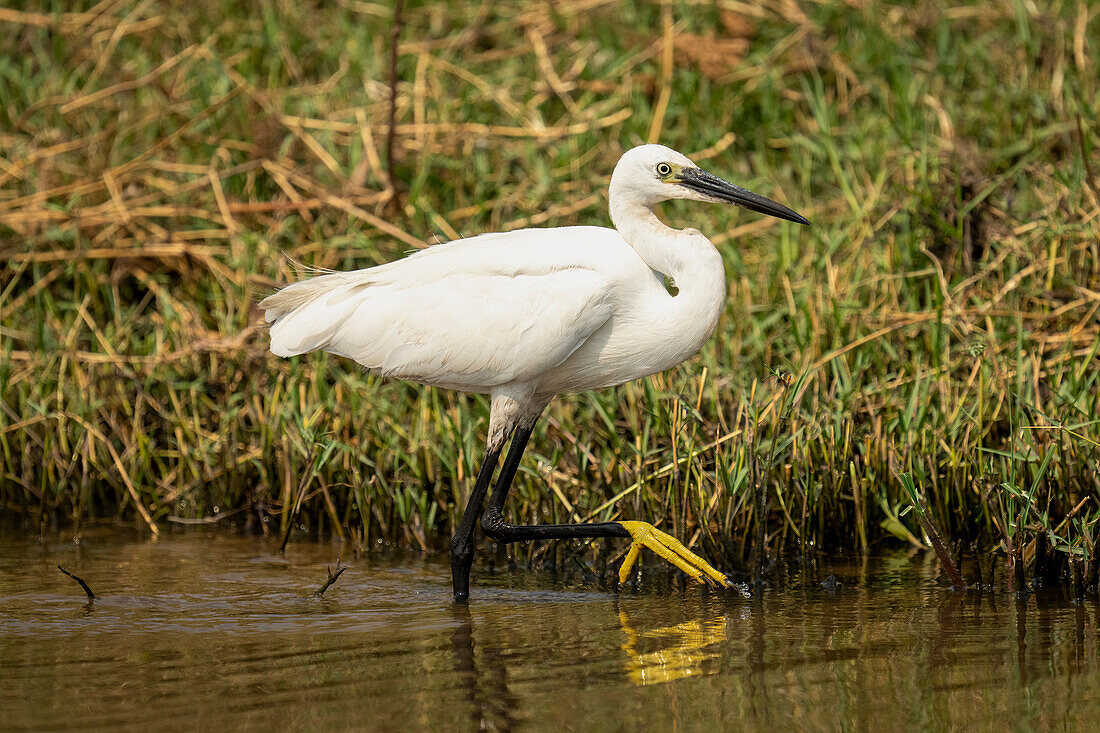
x=1093, y=569
x=761, y=532
x=293, y=515
x=78, y=579
x=332, y=578
x=303, y=483
x=977, y=566
x=929, y=528
x=941, y=551
x=1077, y=577
x=1018, y=568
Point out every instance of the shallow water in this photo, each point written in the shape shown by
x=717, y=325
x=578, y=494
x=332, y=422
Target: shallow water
x=201, y=630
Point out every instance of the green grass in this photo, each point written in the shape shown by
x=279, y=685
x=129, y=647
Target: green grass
x=940, y=317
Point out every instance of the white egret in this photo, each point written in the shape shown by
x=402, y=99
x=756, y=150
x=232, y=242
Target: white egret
x=525, y=315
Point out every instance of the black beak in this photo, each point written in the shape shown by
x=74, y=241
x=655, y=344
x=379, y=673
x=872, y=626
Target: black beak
x=699, y=180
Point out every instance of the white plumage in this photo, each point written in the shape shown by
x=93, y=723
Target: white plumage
x=528, y=314
x=436, y=317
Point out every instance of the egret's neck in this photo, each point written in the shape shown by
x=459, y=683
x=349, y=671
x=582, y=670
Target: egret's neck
x=651, y=238
x=685, y=256
x=693, y=264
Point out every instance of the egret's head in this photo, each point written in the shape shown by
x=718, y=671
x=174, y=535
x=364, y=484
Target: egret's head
x=649, y=174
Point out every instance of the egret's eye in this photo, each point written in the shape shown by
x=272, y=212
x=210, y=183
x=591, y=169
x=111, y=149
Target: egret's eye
x=663, y=169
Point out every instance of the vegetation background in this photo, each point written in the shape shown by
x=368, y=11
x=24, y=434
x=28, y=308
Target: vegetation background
x=940, y=321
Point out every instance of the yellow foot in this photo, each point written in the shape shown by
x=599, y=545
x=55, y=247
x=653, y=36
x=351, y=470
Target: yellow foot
x=671, y=549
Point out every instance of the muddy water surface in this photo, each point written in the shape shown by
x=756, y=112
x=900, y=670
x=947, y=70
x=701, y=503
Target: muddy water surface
x=219, y=631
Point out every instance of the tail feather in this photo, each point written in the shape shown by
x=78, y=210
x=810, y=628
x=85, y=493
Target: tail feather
x=304, y=315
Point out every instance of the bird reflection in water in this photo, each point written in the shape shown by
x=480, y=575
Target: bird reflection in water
x=651, y=655
x=682, y=650
x=491, y=702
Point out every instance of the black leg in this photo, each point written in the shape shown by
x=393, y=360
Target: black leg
x=493, y=520
x=462, y=544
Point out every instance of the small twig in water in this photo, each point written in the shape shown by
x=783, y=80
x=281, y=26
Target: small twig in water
x=332, y=577
x=78, y=579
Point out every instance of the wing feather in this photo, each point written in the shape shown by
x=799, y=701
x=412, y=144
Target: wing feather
x=474, y=331
x=468, y=315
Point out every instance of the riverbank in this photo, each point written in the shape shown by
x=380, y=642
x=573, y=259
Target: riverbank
x=161, y=164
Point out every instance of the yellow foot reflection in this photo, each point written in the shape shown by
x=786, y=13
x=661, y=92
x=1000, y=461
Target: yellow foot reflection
x=683, y=650
x=671, y=549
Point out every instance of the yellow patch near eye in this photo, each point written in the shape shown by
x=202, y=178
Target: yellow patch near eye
x=667, y=172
